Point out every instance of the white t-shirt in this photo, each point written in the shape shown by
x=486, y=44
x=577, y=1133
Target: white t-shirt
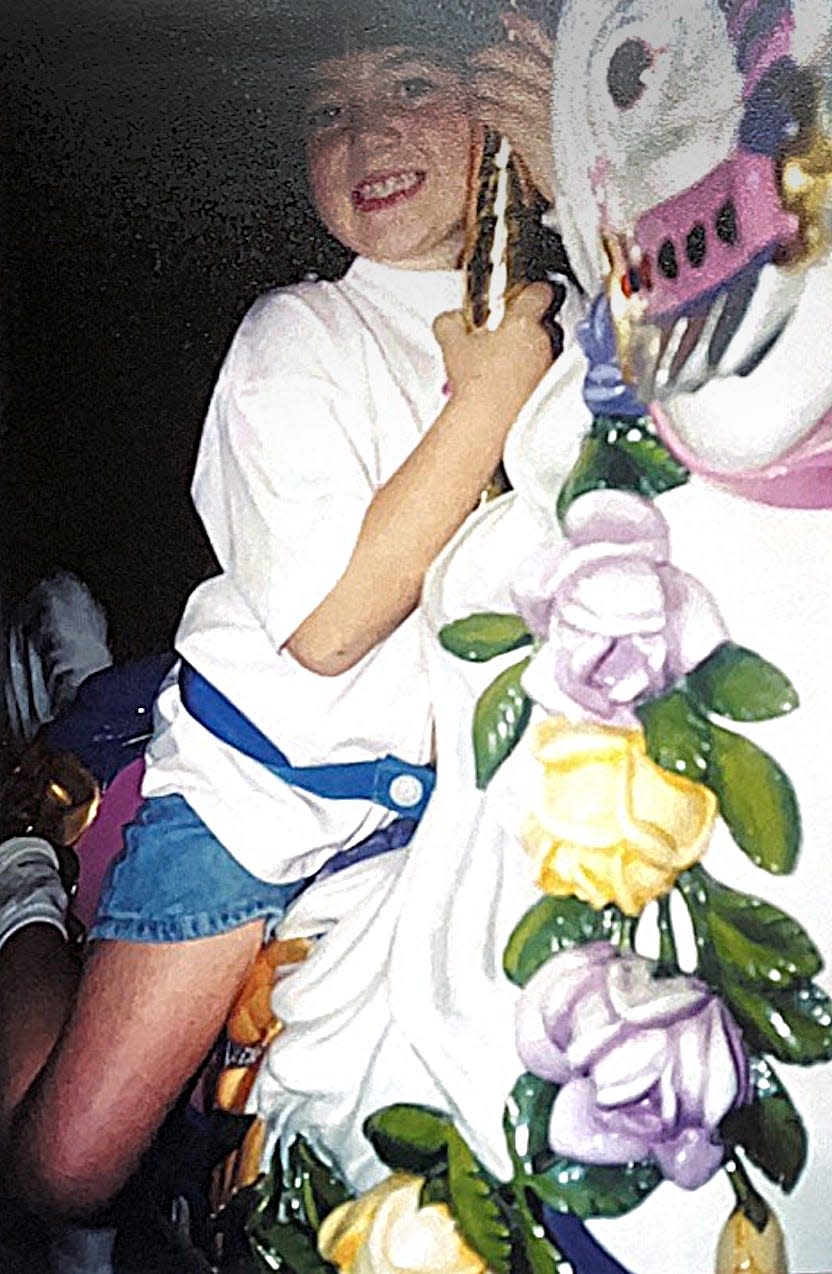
x=326, y=390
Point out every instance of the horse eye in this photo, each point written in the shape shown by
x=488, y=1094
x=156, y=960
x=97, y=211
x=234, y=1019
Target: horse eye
x=627, y=65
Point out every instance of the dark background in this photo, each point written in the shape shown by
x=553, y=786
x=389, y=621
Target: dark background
x=151, y=188
x=151, y=185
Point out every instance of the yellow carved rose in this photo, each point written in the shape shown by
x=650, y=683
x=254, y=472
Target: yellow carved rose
x=386, y=1232
x=609, y=824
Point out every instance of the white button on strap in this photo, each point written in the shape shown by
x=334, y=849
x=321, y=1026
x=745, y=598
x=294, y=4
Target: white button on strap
x=406, y=790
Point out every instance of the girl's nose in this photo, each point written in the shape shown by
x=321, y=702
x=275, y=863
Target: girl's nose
x=376, y=122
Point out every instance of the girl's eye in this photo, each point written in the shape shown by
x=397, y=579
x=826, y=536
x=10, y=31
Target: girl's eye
x=415, y=86
x=323, y=116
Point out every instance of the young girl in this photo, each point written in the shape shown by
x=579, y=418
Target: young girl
x=344, y=446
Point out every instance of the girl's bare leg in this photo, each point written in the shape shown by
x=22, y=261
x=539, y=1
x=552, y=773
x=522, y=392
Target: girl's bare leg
x=90, y=1086
x=38, y=977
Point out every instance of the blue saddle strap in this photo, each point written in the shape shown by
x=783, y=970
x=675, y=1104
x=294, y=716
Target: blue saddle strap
x=388, y=781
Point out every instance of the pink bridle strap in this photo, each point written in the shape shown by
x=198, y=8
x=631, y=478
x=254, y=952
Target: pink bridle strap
x=800, y=479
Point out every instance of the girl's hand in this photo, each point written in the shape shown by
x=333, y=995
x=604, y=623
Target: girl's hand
x=511, y=90
x=414, y=514
x=501, y=368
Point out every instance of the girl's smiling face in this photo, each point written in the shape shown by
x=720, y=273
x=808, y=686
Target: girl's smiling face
x=389, y=142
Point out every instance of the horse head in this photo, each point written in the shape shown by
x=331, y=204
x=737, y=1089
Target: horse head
x=694, y=186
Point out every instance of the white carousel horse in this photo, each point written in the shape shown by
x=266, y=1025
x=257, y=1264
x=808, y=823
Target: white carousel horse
x=405, y=998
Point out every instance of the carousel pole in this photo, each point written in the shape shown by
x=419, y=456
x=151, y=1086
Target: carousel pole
x=493, y=259
x=492, y=267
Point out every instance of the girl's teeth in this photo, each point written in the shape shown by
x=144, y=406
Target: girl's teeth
x=389, y=186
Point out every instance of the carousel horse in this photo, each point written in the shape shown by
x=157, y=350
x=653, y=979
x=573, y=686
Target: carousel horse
x=545, y=1022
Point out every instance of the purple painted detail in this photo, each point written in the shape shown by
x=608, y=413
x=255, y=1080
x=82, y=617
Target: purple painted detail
x=104, y=838
x=745, y=183
x=768, y=50
x=737, y=14
x=574, y=1240
x=801, y=479
x=766, y=18
x=385, y=840
x=772, y=115
x=619, y=623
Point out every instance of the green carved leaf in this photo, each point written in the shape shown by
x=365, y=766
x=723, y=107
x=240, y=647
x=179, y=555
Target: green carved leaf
x=567, y=1186
x=739, y=684
x=694, y=887
x=756, y=799
x=741, y=942
x=769, y=1129
x=541, y=1255
x=623, y=454
x=590, y=1190
x=247, y=1209
x=657, y=469
x=323, y=1190
x=677, y=736
x=526, y=1121
x=408, y=1137
x=475, y=1209
x=551, y=925
x=756, y=941
x=598, y=467
x=435, y=1190
x=793, y=1025
x=501, y=715
x=483, y=636
x=297, y=1203
x=526, y=1128
x=287, y=1248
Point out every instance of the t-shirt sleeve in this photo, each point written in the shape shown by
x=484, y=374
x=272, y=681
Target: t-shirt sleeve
x=282, y=479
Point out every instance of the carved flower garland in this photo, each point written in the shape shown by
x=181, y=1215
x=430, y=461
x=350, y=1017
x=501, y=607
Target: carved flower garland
x=635, y=1071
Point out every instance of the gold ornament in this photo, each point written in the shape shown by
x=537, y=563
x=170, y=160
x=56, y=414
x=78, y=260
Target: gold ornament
x=806, y=191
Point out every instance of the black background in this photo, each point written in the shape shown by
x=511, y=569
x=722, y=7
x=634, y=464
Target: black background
x=151, y=188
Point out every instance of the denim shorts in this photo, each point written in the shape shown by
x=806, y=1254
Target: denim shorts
x=174, y=881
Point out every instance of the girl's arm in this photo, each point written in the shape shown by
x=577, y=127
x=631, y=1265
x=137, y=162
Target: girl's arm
x=413, y=516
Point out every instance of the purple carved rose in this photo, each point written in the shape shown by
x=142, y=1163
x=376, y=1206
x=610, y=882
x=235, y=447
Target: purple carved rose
x=620, y=623
x=647, y=1067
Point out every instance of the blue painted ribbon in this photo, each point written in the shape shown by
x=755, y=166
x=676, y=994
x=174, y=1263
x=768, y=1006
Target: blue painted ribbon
x=583, y=1251
x=605, y=391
